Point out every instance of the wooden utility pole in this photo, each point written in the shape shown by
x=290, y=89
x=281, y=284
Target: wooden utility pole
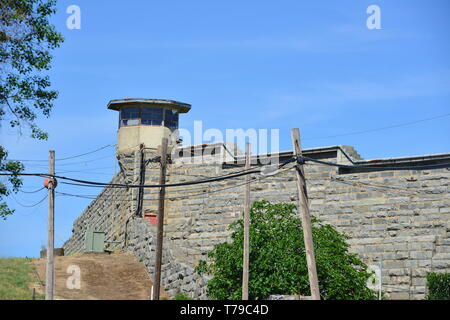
x=306, y=218
x=246, y=258
x=50, y=267
x=160, y=225
x=140, y=202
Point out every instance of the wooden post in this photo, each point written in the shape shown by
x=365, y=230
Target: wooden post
x=33, y=294
x=140, y=201
x=160, y=225
x=246, y=258
x=380, y=288
x=306, y=219
x=50, y=267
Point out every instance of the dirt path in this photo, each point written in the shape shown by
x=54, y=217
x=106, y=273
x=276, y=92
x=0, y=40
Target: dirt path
x=116, y=276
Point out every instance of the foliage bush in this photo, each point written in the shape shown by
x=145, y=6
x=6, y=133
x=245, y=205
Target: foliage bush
x=27, y=38
x=182, y=296
x=438, y=286
x=278, y=260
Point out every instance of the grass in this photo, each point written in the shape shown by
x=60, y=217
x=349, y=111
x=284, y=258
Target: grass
x=178, y=296
x=16, y=277
x=182, y=296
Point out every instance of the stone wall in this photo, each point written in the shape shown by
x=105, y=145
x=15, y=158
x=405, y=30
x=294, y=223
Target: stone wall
x=114, y=213
x=108, y=213
x=176, y=277
x=399, y=219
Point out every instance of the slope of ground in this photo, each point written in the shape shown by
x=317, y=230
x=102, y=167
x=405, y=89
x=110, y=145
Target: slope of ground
x=17, y=277
x=116, y=276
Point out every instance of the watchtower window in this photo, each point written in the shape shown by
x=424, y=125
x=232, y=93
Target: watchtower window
x=129, y=116
x=133, y=116
x=152, y=116
x=171, y=119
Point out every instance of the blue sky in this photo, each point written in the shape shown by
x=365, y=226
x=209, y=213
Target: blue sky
x=255, y=64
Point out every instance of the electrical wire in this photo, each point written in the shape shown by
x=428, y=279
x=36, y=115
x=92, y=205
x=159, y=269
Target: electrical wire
x=29, y=206
x=35, y=191
x=379, y=129
x=201, y=181
x=180, y=184
x=84, y=185
x=369, y=168
x=86, y=161
x=84, y=171
x=363, y=168
x=379, y=168
x=381, y=186
x=90, y=173
x=76, y=156
x=85, y=154
x=36, y=208
x=71, y=157
x=234, y=175
x=114, y=198
x=198, y=192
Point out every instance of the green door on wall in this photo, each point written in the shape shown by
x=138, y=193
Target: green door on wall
x=95, y=241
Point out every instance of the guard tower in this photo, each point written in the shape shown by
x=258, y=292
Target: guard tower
x=146, y=121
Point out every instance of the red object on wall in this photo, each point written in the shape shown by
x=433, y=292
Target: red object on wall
x=153, y=219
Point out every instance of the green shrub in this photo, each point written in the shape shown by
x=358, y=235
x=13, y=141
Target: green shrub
x=438, y=286
x=278, y=260
x=182, y=296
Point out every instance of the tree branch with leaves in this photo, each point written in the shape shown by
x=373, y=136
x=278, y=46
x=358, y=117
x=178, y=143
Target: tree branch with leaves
x=278, y=259
x=27, y=39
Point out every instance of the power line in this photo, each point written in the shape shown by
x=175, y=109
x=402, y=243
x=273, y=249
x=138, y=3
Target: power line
x=204, y=191
x=85, y=154
x=71, y=157
x=234, y=175
x=380, y=129
x=180, y=184
x=77, y=156
x=35, y=191
x=114, y=198
x=29, y=206
x=85, y=171
x=379, y=168
x=88, y=173
x=354, y=183
x=381, y=186
x=75, y=169
x=85, y=185
x=86, y=161
x=73, y=163
x=120, y=186
x=36, y=208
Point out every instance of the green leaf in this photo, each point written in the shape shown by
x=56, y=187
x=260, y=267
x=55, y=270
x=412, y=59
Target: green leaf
x=26, y=41
x=278, y=260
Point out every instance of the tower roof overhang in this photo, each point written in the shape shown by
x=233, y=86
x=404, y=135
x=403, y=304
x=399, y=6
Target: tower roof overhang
x=120, y=103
